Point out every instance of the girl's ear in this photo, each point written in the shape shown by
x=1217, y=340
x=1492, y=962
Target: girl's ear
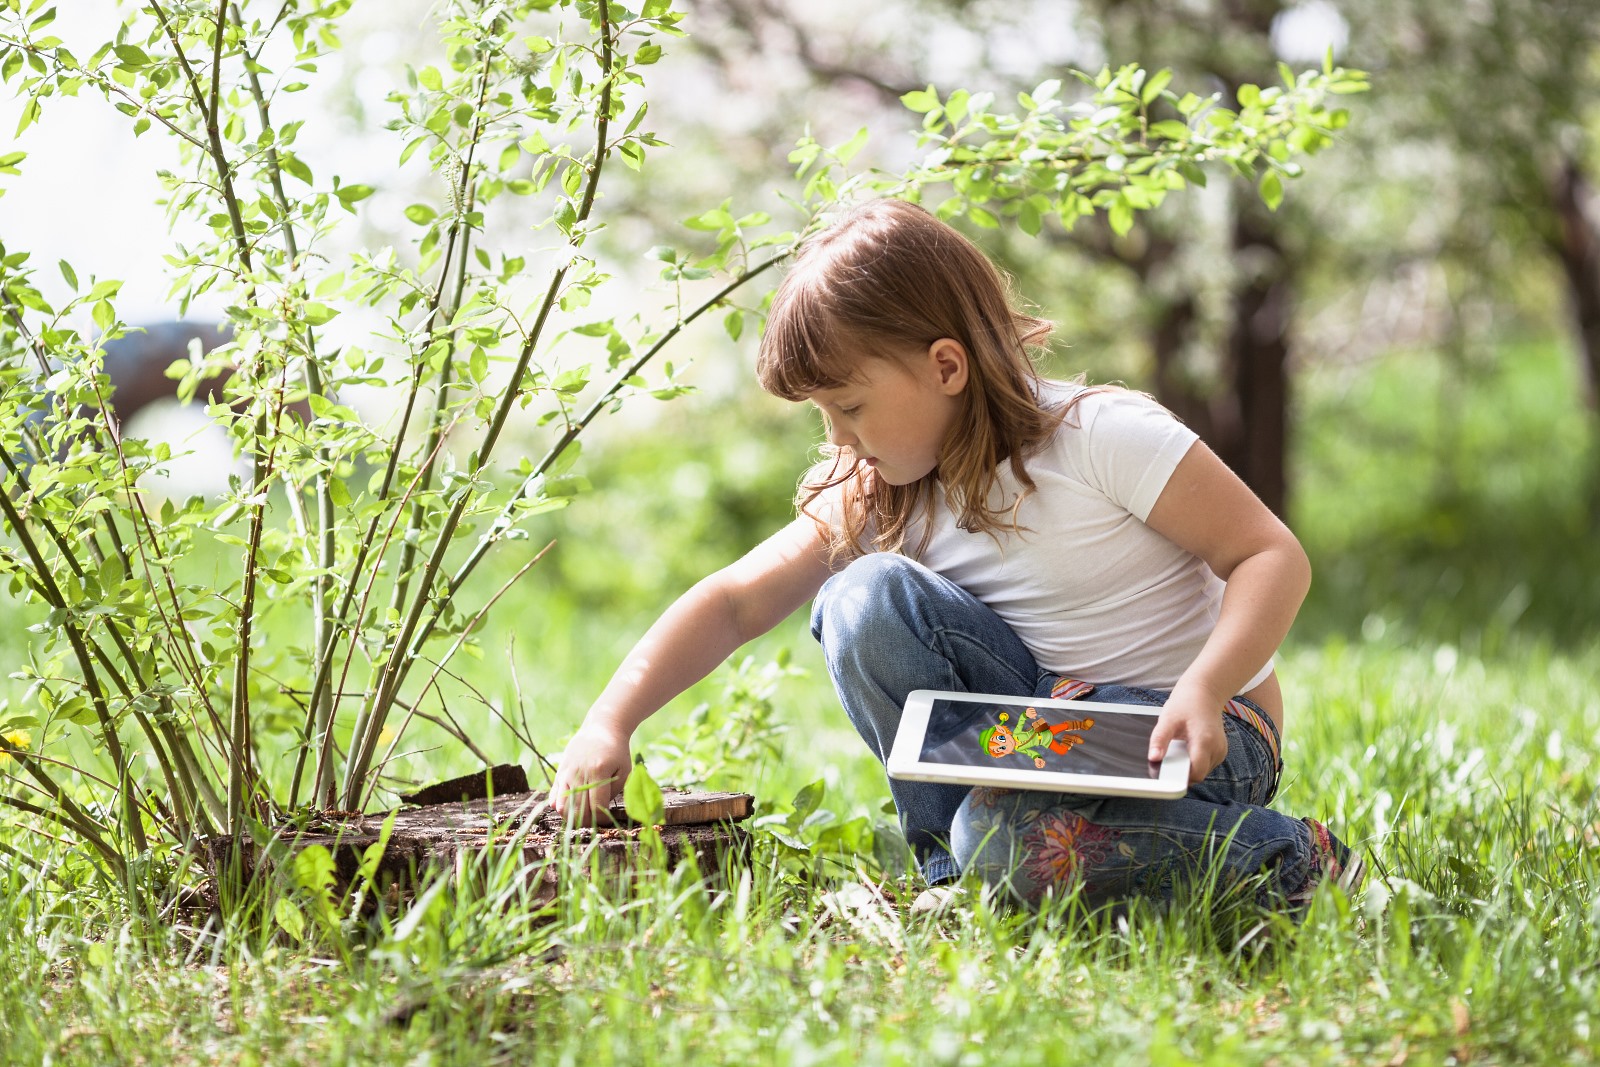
x=948, y=359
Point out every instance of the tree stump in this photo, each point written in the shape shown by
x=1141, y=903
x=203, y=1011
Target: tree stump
x=451, y=825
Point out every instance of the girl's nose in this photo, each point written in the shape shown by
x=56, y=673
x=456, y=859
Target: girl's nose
x=839, y=438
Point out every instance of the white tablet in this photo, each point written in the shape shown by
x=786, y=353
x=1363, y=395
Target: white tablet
x=1069, y=746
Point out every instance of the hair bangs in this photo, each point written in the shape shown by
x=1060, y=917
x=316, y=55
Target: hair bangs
x=803, y=348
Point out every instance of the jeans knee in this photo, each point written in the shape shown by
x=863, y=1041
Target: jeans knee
x=873, y=591
x=1029, y=846
x=984, y=845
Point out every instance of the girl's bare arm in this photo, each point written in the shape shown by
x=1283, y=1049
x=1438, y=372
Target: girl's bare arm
x=701, y=629
x=1207, y=510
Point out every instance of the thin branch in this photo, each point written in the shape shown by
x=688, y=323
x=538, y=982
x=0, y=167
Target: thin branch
x=46, y=586
x=465, y=197
x=461, y=639
x=574, y=429
x=393, y=672
x=67, y=812
x=458, y=228
x=526, y=736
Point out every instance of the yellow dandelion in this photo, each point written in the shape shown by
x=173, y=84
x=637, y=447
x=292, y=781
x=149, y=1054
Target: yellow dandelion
x=15, y=739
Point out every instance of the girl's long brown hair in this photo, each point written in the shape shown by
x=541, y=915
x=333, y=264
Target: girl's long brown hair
x=886, y=281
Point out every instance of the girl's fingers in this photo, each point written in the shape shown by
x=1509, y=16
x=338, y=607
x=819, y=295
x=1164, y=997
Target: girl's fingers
x=1160, y=738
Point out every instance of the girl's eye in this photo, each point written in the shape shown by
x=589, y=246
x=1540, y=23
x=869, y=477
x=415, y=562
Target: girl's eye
x=849, y=413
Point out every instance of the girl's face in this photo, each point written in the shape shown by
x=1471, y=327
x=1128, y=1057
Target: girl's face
x=895, y=418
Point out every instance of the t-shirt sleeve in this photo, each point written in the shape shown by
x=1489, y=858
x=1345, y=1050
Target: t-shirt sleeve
x=1132, y=447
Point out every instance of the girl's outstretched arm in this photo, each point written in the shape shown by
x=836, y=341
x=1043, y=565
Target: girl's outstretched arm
x=1207, y=510
x=702, y=628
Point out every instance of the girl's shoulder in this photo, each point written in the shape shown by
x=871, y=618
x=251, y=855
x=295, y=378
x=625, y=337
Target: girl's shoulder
x=1119, y=441
x=1101, y=411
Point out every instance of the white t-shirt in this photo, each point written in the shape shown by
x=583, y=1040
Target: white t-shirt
x=1093, y=592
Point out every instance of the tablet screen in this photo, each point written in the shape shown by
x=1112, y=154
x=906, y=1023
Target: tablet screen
x=978, y=733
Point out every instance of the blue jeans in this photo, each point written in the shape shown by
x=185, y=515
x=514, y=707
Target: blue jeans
x=888, y=626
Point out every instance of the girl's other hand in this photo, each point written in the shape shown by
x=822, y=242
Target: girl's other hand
x=592, y=771
x=1197, y=723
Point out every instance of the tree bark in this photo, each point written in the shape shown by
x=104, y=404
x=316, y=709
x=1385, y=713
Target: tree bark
x=1257, y=445
x=1577, y=206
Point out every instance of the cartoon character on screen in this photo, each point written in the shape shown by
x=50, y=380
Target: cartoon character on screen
x=1031, y=735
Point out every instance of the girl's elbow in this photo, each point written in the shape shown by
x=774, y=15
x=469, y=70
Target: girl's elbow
x=1299, y=566
x=730, y=613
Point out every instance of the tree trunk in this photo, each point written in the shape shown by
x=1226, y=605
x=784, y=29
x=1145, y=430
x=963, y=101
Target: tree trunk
x=1578, y=212
x=1577, y=209
x=1256, y=444
x=1170, y=337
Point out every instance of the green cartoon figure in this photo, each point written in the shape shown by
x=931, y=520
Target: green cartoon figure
x=1032, y=735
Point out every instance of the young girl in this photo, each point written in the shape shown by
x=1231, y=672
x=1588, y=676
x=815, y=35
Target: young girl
x=979, y=528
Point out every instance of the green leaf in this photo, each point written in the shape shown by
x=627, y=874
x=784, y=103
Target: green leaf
x=641, y=797
x=30, y=113
x=1121, y=217
x=1271, y=190
x=1030, y=220
x=1152, y=88
x=921, y=101
x=847, y=151
x=712, y=220
x=287, y=914
x=69, y=274
x=293, y=166
x=372, y=855
x=421, y=214
x=313, y=869
x=808, y=798
x=131, y=56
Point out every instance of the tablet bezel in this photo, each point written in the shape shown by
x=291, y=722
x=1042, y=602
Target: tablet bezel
x=904, y=758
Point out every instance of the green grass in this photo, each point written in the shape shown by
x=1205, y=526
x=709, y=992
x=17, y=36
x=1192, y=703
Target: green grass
x=1444, y=716
x=1469, y=783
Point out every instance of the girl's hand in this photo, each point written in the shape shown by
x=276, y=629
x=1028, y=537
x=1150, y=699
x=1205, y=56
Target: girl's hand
x=1197, y=723
x=592, y=771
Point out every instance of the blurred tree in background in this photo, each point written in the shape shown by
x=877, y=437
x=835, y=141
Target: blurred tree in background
x=1504, y=96
x=1467, y=209
x=1394, y=357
